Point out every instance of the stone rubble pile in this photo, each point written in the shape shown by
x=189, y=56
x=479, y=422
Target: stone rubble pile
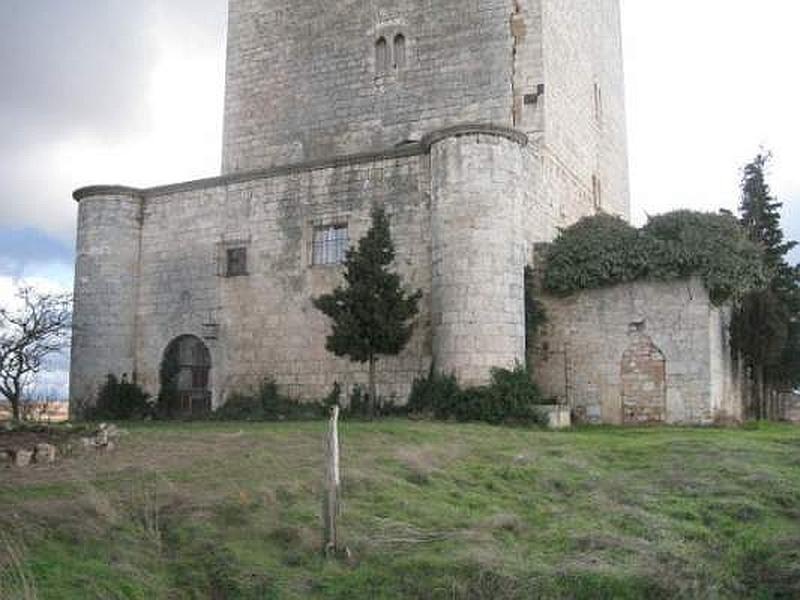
x=105, y=438
x=22, y=457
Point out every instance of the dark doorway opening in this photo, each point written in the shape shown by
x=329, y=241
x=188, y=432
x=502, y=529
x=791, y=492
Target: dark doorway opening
x=185, y=371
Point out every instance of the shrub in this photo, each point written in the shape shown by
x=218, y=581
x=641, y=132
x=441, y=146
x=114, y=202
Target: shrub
x=120, y=401
x=437, y=395
x=334, y=397
x=268, y=404
x=240, y=407
x=510, y=397
x=359, y=406
x=535, y=311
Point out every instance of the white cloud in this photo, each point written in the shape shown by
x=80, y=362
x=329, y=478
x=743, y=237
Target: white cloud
x=708, y=84
x=45, y=285
x=153, y=113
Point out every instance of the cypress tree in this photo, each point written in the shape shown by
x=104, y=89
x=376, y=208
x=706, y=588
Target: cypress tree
x=760, y=215
x=765, y=329
x=371, y=313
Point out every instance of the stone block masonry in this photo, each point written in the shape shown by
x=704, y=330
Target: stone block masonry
x=646, y=352
x=169, y=277
x=303, y=83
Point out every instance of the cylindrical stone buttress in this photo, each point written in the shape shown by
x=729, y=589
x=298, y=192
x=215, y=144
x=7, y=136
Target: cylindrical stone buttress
x=106, y=282
x=478, y=254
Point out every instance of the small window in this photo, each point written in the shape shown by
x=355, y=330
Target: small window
x=329, y=245
x=236, y=262
x=598, y=103
x=381, y=56
x=400, y=51
x=597, y=193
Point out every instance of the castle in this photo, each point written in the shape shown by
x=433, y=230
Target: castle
x=482, y=126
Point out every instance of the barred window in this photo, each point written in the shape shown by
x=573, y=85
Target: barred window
x=236, y=262
x=329, y=245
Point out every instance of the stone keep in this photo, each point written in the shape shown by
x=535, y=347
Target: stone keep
x=482, y=126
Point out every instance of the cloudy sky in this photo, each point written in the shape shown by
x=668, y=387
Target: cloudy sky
x=130, y=91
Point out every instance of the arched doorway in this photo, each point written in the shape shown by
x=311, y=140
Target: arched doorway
x=644, y=382
x=185, y=371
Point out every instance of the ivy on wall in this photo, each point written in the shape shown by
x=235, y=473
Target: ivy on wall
x=535, y=312
x=605, y=250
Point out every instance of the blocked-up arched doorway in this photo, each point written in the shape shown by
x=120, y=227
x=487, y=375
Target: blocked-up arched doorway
x=185, y=371
x=644, y=382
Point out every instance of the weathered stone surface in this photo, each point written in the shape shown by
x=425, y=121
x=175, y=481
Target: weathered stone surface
x=558, y=417
x=106, y=431
x=789, y=407
x=105, y=438
x=45, y=454
x=22, y=458
x=639, y=353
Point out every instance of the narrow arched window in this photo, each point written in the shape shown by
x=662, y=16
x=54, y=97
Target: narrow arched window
x=399, y=51
x=381, y=55
x=597, y=193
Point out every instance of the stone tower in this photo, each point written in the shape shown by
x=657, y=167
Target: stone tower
x=310, y=80
x=481, y=125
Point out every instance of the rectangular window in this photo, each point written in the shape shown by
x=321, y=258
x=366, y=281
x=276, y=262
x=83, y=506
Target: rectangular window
x=329, y=245
x=236, y=262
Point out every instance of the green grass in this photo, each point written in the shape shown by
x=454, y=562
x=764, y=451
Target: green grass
x=230, y=510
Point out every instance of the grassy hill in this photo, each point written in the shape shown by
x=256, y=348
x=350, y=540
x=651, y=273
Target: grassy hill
x=430, y=511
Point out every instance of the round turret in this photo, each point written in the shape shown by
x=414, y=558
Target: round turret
x=478, y=251
x=106, y=279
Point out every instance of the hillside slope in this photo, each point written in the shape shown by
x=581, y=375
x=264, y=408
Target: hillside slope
x=430, y=511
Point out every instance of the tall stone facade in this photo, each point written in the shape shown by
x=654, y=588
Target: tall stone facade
x=482, y=126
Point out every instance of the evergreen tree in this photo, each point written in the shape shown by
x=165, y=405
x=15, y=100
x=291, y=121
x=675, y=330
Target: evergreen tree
x=765, y=329
x=760, y=216
x=370, y=313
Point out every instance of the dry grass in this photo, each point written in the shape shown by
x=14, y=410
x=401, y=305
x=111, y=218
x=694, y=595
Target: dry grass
x=16, y=580
x=430, y=511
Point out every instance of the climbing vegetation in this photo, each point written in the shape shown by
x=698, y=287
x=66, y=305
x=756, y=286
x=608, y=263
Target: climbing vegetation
x=605, y=250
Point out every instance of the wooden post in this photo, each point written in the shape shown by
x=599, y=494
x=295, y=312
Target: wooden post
x=330, y=505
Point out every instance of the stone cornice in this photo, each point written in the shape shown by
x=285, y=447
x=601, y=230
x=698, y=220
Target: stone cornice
x=474, y=129
x=406, y=150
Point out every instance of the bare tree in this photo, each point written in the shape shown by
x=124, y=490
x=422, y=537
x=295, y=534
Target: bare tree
x=29, y=335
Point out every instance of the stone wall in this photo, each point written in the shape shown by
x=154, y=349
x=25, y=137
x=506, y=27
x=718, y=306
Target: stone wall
x=641, y=352
x=584, y=133
x=303, y=84
x=302, y=79
x=458, y=215
x=266, y=323
x=789, y=407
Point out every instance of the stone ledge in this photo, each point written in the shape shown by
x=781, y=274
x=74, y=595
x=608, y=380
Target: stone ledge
x=474, y=129
x=405, y=150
